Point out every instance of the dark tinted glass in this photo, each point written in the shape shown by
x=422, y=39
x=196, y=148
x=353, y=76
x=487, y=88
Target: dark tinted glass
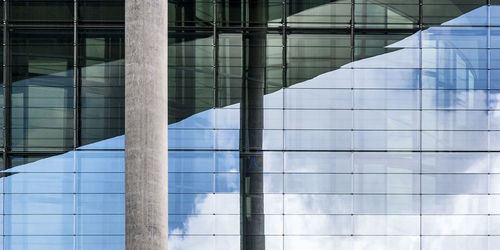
x=102, y=74
x=101, y=11
x=41, y=10
x=42, y=89
x=190, y=12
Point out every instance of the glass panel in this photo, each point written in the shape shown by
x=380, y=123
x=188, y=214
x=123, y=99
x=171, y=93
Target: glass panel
x=454, y=13
x=454, y=204
x=455, y=140
x=242, y=13
x=102, y=73
x=386, y=224
x=318, y=183
x=296, y=98
x=39, y=224
x=314, y=13
x=317, y=204
x=386, y=204
x=318, y=162
x=190, y=13
x=386, y=99
x=386, y=140
x=454, y=162
x=42, y=89
x=309, y=55
x=386, y=183
x=455, y=184
x=101, y=11
x=41, y=11
x=465, y=78
x=318, y=224
x=108, y=242
x=318, y=119
x=455, y=242
x=39, y=203
x=39, y=242
x=454, y=120
x=386, y=162
x=317, y=140
x=386, y=119
x=454, y=224
x=100, y=224
x=386, y=14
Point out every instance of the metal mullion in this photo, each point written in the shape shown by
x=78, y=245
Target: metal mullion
x=284, y=44
x=6, y=87
x=5, y=109
x=76, y=92
x=215, y=52
x=76, y=111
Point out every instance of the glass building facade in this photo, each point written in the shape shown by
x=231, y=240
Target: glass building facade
x=334, y=125
x=62, y=91
x=351, y=125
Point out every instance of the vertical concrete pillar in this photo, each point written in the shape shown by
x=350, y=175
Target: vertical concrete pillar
x=146, y=100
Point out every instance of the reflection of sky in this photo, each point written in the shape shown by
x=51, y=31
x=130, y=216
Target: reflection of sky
x=384, y=111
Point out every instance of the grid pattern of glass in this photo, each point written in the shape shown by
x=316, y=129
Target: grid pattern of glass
x=334, y=125
x=62, y=99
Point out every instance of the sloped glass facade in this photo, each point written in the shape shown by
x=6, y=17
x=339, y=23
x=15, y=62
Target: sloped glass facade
x=62, y=91
x=333, y=125
x=321, y=124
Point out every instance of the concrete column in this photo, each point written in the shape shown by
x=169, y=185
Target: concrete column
x=146, y=121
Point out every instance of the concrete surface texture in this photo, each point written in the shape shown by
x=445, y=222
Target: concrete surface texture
x=146, y=120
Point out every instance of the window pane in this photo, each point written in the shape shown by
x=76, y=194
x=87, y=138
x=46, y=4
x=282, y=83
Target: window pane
x=101, y=11
x=42, y=89
x=102, y=72
x=41, y=11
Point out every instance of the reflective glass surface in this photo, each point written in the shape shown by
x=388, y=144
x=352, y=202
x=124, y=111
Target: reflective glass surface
x=380, y=133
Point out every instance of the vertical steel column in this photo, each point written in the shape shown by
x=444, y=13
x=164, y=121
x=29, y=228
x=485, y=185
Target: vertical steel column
x=252, y=124
x=146, y=123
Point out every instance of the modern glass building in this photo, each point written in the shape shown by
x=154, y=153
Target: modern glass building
x=293, y=124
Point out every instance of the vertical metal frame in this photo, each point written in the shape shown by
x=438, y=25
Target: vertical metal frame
x=6, y=86
x=76, y=76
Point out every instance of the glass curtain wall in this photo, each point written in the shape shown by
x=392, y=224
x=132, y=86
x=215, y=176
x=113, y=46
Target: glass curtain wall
x=344, y=124
x=62, y=88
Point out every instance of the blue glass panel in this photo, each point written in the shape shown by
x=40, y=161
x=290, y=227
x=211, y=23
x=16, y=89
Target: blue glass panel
x=39, y=183
x=464, y=78
x=386, y=99
x=228, y=161
x=100, y=224
x=191, y=161
x=317, y=204
x=454, y=58
x=191, y=183
x=190, y=139
x=189, y=203
x=454, y=99
x=318, y=183
x=455, y=37
x=39, y=203
x=39, y=225
x=100, y=161
x=227, y=182
x=386, y=140
x=386, y=204
x=108, y=242
x=100, y=183
x=317, y=140
x=39, y=242
x=317, y=98
x=387, y=78
x=100, y=203
x=318, y=162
